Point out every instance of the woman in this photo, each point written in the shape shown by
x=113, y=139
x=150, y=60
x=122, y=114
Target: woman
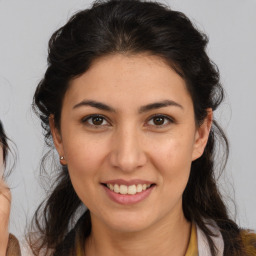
x=127, y=100
x=8, y=243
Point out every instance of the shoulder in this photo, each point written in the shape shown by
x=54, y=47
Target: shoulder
x=249, y=241
x=13, y=248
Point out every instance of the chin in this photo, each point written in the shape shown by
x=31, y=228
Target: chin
x=129, y=222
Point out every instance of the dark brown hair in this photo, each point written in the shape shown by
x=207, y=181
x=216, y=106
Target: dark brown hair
x=3, y=142
x=9, y=149
x=131, y=27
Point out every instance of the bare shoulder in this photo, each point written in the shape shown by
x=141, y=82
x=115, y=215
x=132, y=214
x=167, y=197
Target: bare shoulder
x=13, y=248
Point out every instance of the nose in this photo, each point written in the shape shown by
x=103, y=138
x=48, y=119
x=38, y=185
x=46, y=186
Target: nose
x=127, y=152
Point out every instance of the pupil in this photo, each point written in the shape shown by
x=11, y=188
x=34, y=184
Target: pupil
x=97, y=120
x=159, y=120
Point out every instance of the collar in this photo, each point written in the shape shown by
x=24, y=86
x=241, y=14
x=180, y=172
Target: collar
x=203, y=245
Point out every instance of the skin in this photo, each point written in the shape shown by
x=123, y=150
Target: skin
x=131, y=144
x=5, y=199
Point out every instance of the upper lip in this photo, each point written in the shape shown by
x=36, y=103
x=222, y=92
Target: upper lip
x=127, y=182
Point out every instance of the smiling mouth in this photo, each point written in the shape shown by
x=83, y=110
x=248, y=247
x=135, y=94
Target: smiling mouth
x=128, y=190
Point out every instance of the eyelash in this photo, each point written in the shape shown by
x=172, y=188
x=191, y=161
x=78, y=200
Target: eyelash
x=86, y=119
x=166, y=118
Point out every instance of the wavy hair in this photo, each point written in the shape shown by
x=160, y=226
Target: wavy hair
x=11, y=164
x=133, y=27
x=3, y=142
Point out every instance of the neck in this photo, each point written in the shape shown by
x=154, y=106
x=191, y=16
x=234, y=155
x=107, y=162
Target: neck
x=165, y=238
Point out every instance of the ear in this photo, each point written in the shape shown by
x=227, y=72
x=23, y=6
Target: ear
x=202, y=135
x=57, y=139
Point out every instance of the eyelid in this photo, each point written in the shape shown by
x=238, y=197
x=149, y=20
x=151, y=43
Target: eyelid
x=167, y=117
x=86, y=118
x=170, y=120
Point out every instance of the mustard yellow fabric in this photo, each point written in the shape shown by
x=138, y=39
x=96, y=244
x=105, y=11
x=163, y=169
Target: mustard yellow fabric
x=192, y=246
x=191, y=251
x=79, y=251
x=249, y=241
x=79, y=247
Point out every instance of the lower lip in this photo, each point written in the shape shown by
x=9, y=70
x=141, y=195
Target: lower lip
x=128, y=199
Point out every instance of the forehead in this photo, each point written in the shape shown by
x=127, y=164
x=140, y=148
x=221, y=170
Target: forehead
x=133, y=78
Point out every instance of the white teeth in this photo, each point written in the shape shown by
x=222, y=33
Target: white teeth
x=116, y=188
x=123, y=189
x=130, y=190
x=139, y=188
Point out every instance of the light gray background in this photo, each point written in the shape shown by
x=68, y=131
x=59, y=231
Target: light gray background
x=26, y=26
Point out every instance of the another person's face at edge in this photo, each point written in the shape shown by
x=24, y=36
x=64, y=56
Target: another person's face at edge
x=128, y=143
x=1, y=161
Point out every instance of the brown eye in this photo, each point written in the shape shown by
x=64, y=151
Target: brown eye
x=97, y=120
x=159, y=120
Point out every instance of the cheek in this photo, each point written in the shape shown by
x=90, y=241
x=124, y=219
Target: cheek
x=83, y=166
x=173, y=160
x=174, y=152
x=85, y=158
x=83, y=153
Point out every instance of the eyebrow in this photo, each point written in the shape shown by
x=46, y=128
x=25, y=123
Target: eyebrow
x=94, y=104
x=146, y=108
x=161, y=104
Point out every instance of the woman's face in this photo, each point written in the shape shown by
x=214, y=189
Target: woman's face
x=128, y=124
